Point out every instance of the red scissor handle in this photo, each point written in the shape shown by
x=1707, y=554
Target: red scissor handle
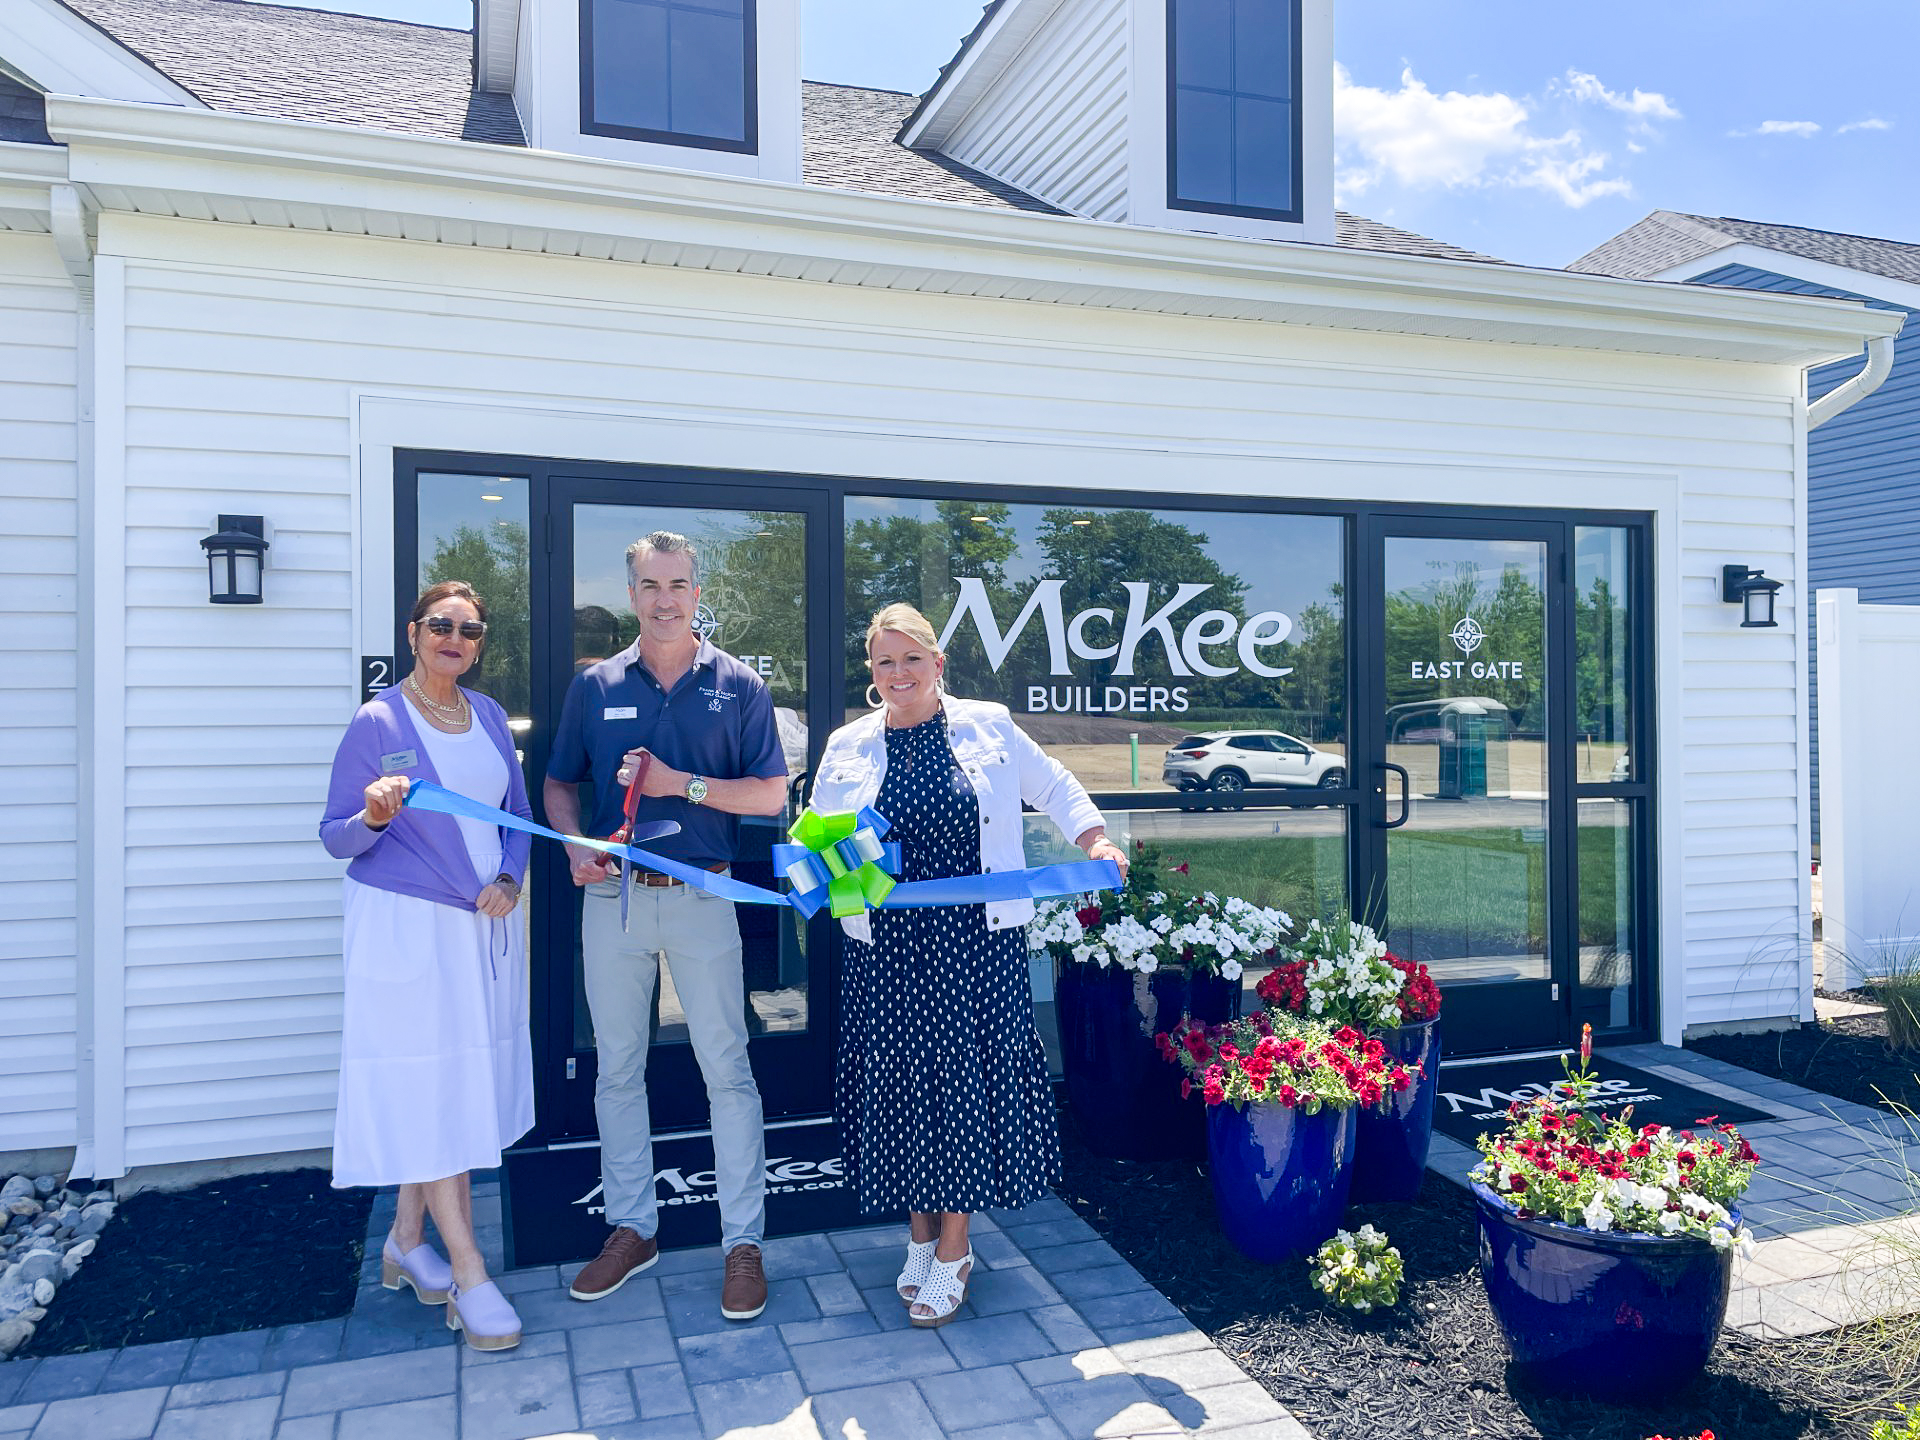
x=630, y=807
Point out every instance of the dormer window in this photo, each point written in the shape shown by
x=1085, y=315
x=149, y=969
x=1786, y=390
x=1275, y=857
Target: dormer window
x=1233, y=121
x=673, y=72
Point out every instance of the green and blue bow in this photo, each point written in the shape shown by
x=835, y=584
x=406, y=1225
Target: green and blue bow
x=840, y=861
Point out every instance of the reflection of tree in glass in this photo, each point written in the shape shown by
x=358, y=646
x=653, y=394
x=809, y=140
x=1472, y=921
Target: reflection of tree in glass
x=905, y=558
x=599, y=633
x=1600, y=661
x=1420, y=624
x=753, y=579
x=494, y=562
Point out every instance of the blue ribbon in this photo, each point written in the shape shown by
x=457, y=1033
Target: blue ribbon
x=1038, y=883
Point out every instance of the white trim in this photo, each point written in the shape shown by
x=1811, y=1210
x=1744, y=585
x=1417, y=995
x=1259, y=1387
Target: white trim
x=1904, y=293
x=1147, y=129
x=945, y=108
x=1798, y=594
x=67, y=55
x=734, y=223
x=1666, y=626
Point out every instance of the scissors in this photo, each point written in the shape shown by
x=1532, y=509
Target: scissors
x=630, y=807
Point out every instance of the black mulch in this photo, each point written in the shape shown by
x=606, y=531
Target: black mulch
x=240, y=1254
x=1848, y=1057
x=1435, y=1366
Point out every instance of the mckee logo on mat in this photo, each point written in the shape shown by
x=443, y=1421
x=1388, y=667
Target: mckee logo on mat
x=1491, y=1104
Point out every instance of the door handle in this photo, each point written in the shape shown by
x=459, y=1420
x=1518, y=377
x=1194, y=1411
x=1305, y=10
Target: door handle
x=1406, y=794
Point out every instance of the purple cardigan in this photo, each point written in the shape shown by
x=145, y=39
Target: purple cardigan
x=420, y=853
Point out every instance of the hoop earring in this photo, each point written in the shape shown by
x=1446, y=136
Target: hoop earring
x=874, y=702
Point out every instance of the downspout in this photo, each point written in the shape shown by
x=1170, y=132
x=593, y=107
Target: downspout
x=67, y=222
x=1852, y=392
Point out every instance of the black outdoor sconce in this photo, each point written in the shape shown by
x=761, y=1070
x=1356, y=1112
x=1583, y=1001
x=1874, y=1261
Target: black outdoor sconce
x=1753, y=591
x=236, y=555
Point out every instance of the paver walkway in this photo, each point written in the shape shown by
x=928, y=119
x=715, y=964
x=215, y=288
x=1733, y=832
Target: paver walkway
x=1060, y=1338
x=1835, y=1208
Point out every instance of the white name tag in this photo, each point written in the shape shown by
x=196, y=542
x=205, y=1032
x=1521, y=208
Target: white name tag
x=399, y=760
x=621, y=712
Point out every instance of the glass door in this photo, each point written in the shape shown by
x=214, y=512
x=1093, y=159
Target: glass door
x=1469, y=868
x=762, y=566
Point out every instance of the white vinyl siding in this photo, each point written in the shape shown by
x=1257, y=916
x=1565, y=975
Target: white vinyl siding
x=1054, y=123
x=38, y=659
x=244, y=350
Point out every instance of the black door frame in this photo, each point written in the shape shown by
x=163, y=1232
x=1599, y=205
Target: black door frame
x=826, y=630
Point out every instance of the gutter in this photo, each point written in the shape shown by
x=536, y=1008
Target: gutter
x=1845, y=396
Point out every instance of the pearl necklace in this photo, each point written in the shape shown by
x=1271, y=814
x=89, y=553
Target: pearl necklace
x=454, y=714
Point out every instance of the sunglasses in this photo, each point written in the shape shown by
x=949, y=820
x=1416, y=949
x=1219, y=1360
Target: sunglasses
x=475, y=630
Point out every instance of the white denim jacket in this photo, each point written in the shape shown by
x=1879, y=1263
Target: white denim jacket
x=1006, y=767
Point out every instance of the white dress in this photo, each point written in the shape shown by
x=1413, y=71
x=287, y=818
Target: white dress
x=436, y=1064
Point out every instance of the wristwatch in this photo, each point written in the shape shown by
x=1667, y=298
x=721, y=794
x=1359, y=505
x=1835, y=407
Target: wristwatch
x=696, y=790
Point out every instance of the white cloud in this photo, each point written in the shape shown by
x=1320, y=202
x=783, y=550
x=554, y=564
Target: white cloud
x=1805, y=129
x=1643, y=105
x=1865, y=125
x=1420, y=138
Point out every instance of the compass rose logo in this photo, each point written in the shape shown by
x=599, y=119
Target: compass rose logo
x=1468, y=635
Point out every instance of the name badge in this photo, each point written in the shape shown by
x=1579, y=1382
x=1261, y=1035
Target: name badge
x=622, y=712
x=399, y=760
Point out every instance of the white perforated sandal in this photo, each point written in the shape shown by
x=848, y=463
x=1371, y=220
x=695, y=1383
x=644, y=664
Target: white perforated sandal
x=919, y=1259
x=944, y=1292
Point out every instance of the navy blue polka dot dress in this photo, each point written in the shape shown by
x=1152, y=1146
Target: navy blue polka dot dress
x=941, y=1087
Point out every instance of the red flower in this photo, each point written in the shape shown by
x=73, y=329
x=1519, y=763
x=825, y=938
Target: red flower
x=1088, y=916
x=1229, y=1050
x=1186, y=1088
x=1288, y=1096
x=1215, y=1092
x=1518, y=1184
x=1181, y=868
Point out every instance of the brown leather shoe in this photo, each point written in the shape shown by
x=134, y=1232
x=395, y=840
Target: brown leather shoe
x=624, y=1256
x=743, y=1294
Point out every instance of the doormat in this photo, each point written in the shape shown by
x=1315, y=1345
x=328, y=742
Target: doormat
x=554, y=1212
x=1474, y=1095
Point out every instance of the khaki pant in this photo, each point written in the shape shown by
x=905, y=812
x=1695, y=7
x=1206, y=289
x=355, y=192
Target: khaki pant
x=698, y=937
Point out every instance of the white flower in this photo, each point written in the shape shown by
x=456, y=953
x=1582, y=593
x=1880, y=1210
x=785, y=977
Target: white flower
x=1671, y=1221
x=1720, y=1237
x=1597, y=1215
x=1651, y=1197
x=1230, y=970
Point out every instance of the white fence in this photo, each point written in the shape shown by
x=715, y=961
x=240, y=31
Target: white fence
x=1869, y=786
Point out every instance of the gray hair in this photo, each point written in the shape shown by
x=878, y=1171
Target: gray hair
x=662, y=542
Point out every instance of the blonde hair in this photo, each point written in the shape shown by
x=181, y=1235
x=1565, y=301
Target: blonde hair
x=909, y=622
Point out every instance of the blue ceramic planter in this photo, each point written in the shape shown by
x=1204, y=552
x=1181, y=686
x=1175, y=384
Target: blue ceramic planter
x=1390, y=1150
x=1124, y=1097
x=1279, y=1177
x=1615, y=1317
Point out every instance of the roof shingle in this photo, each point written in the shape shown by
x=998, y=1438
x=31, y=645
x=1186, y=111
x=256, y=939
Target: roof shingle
x=337, y=69
x=1668, y=237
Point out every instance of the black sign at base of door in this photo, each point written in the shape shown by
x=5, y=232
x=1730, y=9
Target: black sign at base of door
x=553, y=1214
x=1474, y=1095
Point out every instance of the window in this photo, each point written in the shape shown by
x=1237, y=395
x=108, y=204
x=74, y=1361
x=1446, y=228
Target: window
x=1233, y=121
x=676, y=72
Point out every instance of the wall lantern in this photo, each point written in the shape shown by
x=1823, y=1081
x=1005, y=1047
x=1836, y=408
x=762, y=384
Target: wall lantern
x=236, y=554
x=1752, y=590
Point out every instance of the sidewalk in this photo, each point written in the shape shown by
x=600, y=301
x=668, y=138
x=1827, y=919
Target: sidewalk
x=1833, y=1207
x=1060, y=1338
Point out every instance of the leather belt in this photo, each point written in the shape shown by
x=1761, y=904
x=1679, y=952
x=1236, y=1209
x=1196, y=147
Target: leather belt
x=655, y=880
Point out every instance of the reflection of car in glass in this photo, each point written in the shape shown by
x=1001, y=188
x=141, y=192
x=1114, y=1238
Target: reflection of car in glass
x=1233, y=760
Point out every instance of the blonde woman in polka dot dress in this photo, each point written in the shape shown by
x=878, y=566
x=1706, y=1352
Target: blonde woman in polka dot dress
x=941, y=1087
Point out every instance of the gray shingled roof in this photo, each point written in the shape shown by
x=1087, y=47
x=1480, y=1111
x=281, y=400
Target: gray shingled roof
x=317, y=65
x=313, y=65
x=1667, y=238
x=848, y=144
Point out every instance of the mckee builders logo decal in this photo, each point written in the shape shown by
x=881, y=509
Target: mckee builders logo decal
x=1491, y=1104
x=1205, y=644
x=785, y=1176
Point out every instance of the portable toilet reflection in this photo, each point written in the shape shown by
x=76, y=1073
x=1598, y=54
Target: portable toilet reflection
x=1472, y=731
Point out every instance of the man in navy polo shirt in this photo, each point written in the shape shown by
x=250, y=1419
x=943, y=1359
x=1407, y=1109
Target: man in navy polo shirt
x=707, y=722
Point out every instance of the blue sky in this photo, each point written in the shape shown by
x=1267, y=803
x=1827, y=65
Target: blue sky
x=1533, y=129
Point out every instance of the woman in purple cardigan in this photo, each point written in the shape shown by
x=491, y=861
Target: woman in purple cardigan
x=436, y=1067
